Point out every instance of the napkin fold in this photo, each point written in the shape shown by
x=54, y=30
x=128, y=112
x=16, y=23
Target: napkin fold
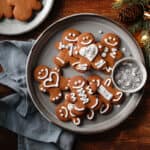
x=17, y=112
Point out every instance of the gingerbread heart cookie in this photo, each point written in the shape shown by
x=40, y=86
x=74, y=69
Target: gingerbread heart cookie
x=23, y=9
x=5, y=9
x=51, y=81
x=88, y=53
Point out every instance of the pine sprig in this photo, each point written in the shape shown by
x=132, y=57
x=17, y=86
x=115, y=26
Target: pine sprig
x=140, y=25
x=119, y=3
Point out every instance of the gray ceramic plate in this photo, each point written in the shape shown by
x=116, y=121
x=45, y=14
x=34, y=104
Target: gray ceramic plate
x=43, y=52
x=15, y=27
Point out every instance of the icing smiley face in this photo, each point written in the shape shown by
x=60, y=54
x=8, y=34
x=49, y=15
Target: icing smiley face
x=70, y=36
x=41, y=73
x=77, y=82
x=110, y=40
x=85, y=39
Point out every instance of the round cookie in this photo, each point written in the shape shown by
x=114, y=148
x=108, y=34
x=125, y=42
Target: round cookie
x=23, y=9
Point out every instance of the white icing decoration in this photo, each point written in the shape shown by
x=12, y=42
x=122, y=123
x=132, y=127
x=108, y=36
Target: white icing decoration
x=73, y=34
x=42, y=89
x=70, y=47
x=113, y=53
x=79, y=86
x=111, y=44
x=79, y=109
x=62, y=61
x=56, y=84
x=79, y=81
x=89, y=52
x=98, y=83
x=83, y=96
x=90, y=115
x=71, y=40
x=114, y=39
x=75, y=83
x=105, y=93
x=70, y=107
x=60, y=94
x=103, y=111
x=109, y=37
x=120, y=94
x=114, y=49
x=103, y=54
x=106, y=49
x=66, y=111
x=53, y=99
x=99, y=46
x=86, y=43
x=73, y=97
x=95, y=105
x=100, y=32
x=61, y=46
x=100, y=63
x=89, y=90
x=83, y=38
x=108, y=69
x=82, y=67
x=124, y=49
x=107, y=82
x=76, y=121
x=75, y=63
x=76, y=52
x=61, y=115
x=45, y=76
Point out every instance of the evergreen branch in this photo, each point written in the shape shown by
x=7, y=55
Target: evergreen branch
x=119, y=3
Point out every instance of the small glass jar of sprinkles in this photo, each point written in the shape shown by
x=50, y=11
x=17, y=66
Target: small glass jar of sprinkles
x=129, y=75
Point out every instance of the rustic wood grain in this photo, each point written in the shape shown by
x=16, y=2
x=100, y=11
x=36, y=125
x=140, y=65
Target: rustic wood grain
x=134, y=133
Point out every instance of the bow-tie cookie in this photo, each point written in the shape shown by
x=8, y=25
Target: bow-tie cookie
x=108, y=94
x=66, y=47
x=88, y=53
x=51, y=81
x=23, y=9
x=5, y=9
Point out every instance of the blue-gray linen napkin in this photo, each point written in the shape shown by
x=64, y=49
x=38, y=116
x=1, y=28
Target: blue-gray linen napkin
x=17, y=113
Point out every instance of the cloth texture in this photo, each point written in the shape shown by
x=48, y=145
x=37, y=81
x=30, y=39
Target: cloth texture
x=17, y=112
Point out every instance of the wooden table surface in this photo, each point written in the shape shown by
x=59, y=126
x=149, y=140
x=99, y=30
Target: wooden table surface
x=134, y=133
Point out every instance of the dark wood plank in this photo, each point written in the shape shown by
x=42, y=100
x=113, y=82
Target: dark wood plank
x=134, y=133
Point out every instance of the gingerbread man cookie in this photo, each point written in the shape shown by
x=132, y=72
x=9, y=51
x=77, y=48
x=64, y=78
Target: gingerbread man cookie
x=51, y=81
x=87, y=53
x=68, y=111
x=109, y=50
x=66, y=47
x=81, y=101
x=84, y=95
x=108, y=95
x=5, y=9
x=23, y=9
